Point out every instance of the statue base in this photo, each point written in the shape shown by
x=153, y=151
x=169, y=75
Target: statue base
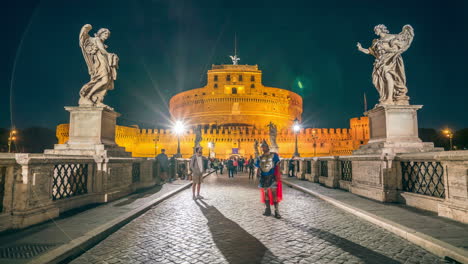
x=92, y=132
x=393, y=130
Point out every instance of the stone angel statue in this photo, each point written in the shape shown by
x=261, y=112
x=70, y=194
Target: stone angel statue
x=198, y=137
x=389, y=75
x=273, y=133
x=102, y=66
x=234, y=59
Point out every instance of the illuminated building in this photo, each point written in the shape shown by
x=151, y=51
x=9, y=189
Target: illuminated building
x=232, y=110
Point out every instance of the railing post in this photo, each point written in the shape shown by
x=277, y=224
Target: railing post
x=334, y=172
x=301, y=172
x=314, y=174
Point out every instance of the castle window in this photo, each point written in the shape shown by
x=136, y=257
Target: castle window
x=252, y=85
x=240, y=78
x=216, y=85
x=264, y=93
x=196, y=95
x=272, y=94
x=216, y=78
x=203, y=93
x=252, y=78
x=234, y=90
x=228, y=78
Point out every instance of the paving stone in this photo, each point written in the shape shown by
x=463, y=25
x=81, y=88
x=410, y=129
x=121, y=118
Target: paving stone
x=228, y=227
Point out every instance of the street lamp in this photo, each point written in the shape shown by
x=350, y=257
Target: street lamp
x=179, y=128
x=11, y=138
x=448, y=133
x=296, y=129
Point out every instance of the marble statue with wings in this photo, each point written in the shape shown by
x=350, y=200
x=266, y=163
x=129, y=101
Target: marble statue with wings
x=388, y=76
x=102, y=67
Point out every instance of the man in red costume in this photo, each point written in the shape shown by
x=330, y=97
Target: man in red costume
x=269, y=175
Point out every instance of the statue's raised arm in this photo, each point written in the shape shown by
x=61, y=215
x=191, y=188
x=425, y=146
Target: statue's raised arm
x=102, y=66
x=389, y=76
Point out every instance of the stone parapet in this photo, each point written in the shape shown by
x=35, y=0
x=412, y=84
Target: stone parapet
x=434, y=181
x=40, y=187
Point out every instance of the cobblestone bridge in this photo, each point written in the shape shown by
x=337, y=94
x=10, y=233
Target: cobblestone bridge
x=228, y=227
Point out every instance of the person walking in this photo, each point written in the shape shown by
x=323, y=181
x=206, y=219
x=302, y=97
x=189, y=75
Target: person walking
x=230, y=167
x=221, y=166
x=251, y=166
x=236, y=165
x=241, y=164
x=216, y=166
x=198, y=166
x=292, y=167
x=163, y=162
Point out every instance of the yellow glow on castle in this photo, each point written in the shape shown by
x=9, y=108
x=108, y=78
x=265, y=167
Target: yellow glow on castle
x=233, y=110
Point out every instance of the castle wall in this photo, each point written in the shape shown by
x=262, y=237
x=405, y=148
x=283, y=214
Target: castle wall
x=311, y=141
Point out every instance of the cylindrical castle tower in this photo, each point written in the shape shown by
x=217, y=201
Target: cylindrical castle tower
x=235, y=95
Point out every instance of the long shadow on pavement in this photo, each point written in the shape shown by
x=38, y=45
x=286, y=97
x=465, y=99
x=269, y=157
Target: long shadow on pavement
x=236, y=244
x=140, y=194
x=363, y=253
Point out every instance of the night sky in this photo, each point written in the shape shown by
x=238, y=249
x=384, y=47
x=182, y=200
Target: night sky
x=166, y=47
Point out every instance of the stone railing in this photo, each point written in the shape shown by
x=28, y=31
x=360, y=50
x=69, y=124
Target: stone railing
x=434, y=181
x=35, y=188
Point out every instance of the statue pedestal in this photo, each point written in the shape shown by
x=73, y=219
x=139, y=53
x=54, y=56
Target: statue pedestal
x=92, y=132
x=394, y=129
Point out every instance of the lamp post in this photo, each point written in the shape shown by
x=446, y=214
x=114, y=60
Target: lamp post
x=11, y=138
x=179, y=128
x=296, y=129
x=448, y=133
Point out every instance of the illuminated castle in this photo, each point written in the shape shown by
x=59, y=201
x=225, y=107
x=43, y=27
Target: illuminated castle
x=232, y=110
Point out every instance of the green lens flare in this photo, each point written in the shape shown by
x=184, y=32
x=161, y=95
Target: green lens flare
x=299, y=83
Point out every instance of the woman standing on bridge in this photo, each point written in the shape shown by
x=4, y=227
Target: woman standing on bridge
x=269, y=174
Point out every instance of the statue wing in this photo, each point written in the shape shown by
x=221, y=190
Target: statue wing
x=405, y=38
x=86, y=46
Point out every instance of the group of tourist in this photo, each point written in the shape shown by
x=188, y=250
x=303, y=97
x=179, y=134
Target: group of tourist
x=233, y=165
x=265, y=167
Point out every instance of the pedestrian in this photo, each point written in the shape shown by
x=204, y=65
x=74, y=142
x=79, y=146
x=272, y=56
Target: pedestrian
x=163, y=162
x=198, y=166
x=270, y=184
x=221, y=166
x=230, y=167
x=241, y=164
x=292, y=167
x=216, y=166
x=236, y=165
x=251, y=166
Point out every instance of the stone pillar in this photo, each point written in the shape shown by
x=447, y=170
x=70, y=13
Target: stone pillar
x=314, y=175
x=302, y=169
x=92, y=132
x=393, y=130
x=333, y=172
